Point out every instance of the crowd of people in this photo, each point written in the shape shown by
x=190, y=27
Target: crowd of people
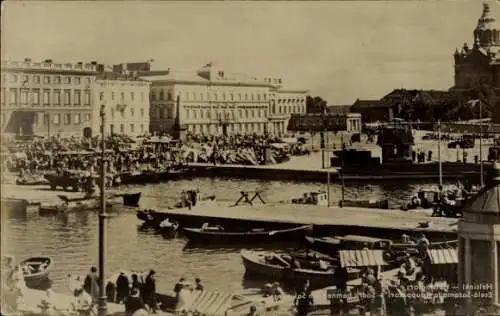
x=125, y=154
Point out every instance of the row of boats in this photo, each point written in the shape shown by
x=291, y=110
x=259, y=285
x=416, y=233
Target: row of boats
x=320, y=262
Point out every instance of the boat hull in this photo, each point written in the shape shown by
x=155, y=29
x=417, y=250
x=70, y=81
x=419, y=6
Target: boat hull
x=251, y=237
x=39, y=279
x=322, y=245
x=154, y=218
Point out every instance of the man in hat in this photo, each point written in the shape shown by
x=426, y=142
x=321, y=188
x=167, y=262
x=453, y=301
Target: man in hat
x=91, y=284
x=82, y=302
x=149, y=291
x=122, y=288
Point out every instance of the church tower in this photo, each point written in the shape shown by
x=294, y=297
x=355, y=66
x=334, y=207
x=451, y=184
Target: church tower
x=486, y=33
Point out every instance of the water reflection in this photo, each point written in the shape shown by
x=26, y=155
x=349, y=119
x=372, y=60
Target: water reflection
x=72, y=239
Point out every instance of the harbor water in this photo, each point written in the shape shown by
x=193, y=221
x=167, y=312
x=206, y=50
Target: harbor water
x=72, y=239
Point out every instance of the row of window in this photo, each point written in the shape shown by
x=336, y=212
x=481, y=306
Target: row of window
x=123, y=112
x=288, y=109
x=231, y=128
x=122, y=129
x=67, y=118
x=299, y=101
x=214, y=114
x=102, y=96
x=46, y=96
x=47, y=79
x=215, y=96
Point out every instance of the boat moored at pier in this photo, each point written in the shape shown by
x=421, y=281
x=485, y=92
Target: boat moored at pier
x=216, y=234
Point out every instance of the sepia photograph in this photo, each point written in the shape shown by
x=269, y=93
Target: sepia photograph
x=250, y=158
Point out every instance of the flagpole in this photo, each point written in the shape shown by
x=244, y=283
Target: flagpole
x=439, y=155
x=481, y=141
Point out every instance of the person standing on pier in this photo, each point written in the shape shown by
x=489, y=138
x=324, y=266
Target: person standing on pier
x=149, y=291
x=134, y=304
x=91, y=284
x=122, y=288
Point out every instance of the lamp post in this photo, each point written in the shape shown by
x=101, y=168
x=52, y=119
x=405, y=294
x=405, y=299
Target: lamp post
x=102, y=308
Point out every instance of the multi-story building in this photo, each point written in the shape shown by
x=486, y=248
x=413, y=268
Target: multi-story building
x=212, y=101
x=49, y=99
x=46, y=98
x=126, y=101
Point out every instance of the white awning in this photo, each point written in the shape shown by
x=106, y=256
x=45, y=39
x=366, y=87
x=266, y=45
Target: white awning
x=361, y=258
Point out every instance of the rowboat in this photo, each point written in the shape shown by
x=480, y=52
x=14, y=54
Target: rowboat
x=36, y=270
x=330, y=245
x=275, y=266
x=203, y=235
x=379, y=204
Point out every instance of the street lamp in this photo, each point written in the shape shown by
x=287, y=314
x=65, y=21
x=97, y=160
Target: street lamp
x=102, y=307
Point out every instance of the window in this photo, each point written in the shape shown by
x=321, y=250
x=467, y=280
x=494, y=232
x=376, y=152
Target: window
x=246, y=97
x=215, y=96
x=67, y=80
x=77, y=97
x=264, y=97
x=187, y=95
x=46, y=79
x=240, y=112
x=77, y=80
x=24, y=96
x=153, y=95
x=87, y=80
x=258, y=97
x=101, y=96
x=132, y=112
x=246, y=113
x=35, y=96
x=239, y=96
x=3, y=96
x=231, y=96
x=13, y=78
x=87, y=117
x=132, y=96
x=122, y=128
x=86, y=97
x=122, y=96
x=57, y=79
x=67, y=119
x=36, y=79
x=201, y=96
x=112, y=96
x=252, y=97
x=77, y=118
x=132, y=128
x=46, y=96
x=46, y=119
x=253, y=113
x=187, y=113
x=112, y=113
x=194, y=114
x=161, y=113
x=67, y=97
x=202, y=114
x=142, y=112
x=57, y=97
x=169, y=95
x=223, y=96
x=25, y=79
x=162, y=95
x=56, y=118
x=194, y=96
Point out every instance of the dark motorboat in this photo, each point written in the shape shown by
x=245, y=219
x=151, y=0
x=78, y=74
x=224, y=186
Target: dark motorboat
x=295, y=270
x=218, y=235
x=91, y=203
x=36, y=270
x=131, y=199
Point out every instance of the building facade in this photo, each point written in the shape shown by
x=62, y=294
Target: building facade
x=47, y=98
x=213, y=102
x=126, y=101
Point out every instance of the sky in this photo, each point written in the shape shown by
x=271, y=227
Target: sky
x=339, y=50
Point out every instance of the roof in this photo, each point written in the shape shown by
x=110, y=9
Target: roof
x=209, y=303
x=365, y=104
x=443, y=256
x=361, y=258
x=486, y=201
x=338, y=109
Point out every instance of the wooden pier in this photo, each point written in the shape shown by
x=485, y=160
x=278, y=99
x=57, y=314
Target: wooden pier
x=362, y=219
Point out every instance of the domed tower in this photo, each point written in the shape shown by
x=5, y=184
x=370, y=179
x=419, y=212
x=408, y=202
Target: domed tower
x=487, y=33
x=479, y=248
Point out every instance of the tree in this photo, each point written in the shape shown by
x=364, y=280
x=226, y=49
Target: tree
x=315, y=105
